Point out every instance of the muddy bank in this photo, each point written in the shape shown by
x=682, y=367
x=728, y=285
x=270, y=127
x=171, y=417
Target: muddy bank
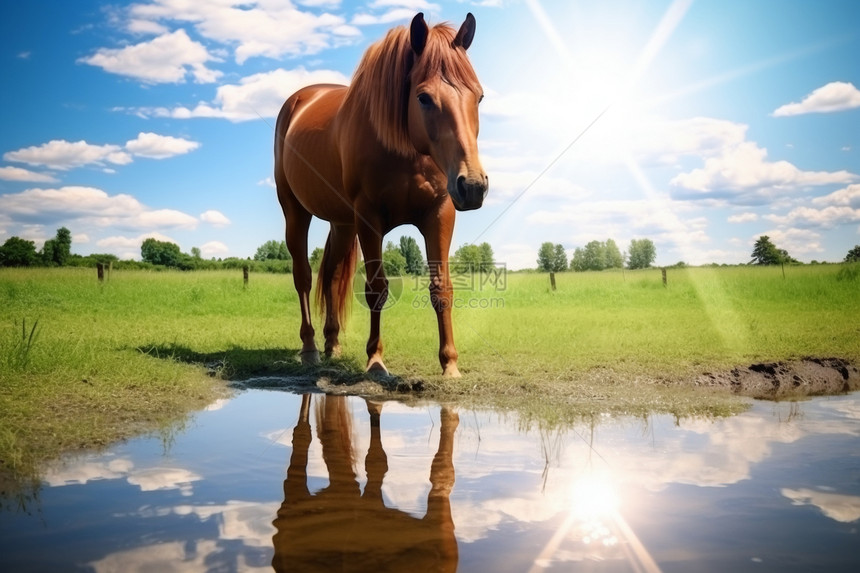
x=766, y=380
x=790, y=379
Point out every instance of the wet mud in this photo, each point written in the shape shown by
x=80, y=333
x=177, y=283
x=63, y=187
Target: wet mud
x=789, y=379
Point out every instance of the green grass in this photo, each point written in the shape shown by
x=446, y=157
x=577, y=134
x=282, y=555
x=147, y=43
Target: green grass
x=83, y=364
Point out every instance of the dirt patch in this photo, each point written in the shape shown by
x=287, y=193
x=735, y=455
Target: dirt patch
x=791, y=379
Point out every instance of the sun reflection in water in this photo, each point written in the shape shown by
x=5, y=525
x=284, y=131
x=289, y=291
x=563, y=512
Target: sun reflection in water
x=594, y=528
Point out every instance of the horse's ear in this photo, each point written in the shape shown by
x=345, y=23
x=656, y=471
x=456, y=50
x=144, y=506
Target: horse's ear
x=418, y=31
x=466, y=34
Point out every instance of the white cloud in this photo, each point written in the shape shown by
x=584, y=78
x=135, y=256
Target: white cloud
x=88, y=469
x=153, y=479
x=213, y=249
x=835, y=96
x=267, y=182
x=827, y=217
x=839, y=507
x=255, y=96
x=795, y=241
x=131, y=243
x=516, y=255
x=667, y=141
x=270, y=29
x=393, y=11
x=849, y=196
x=156, y=146
x=165, y=59
x=63, y=155
x=90, y=206
x=743, y=170
x=743, y=218
x=129, y=247
x=136, y=26
x=389, y=17
x=214, y=218
x=19, y=174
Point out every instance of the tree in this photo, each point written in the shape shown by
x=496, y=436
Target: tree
x=613, y=258
x=393, y=261
x=577, y=261
x=594, y=256
x=642, y=254
x=766, y=253
x=559, y=258
x=412, y=255
x=486, y=252
x=853, y=255
x=57, y=251
x=272, y=250
x=469, y=258
x=161, y=253
x=546, y=257
x=17, y=252
x=316, y=258
x=195, y=253
x=551, y=258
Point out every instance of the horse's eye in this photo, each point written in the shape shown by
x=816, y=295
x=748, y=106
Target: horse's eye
x=425, y=100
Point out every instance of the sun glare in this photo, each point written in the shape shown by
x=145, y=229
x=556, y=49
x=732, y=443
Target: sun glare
x=594, y=497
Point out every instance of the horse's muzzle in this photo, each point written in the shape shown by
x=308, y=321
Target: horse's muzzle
x=469, y=192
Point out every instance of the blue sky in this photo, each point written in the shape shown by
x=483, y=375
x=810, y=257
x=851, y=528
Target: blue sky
x=716, y=122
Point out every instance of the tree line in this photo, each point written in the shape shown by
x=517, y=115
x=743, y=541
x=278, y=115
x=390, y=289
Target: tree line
x=404, y=258
x=597, y=256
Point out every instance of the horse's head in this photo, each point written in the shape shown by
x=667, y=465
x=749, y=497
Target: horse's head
x=443, y=108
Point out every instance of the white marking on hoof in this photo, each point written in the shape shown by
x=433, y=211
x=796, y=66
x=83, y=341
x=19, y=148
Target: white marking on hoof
x=451, y=371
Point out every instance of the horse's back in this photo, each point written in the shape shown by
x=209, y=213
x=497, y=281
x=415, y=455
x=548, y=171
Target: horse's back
x=307, y=158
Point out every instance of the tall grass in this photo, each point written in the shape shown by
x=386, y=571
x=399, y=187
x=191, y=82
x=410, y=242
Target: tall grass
x=16, y=350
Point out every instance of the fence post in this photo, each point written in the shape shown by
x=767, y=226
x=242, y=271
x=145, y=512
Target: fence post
x=552, y=280
x=664, y=276
x=245, y=275
x=100, y=269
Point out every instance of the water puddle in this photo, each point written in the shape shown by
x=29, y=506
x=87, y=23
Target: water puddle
x=312, y=483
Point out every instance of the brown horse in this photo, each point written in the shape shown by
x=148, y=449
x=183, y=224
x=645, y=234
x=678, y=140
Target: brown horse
x=398, y=146
x=341, y=528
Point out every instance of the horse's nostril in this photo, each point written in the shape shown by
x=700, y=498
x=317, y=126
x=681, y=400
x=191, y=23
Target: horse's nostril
x=461, y=184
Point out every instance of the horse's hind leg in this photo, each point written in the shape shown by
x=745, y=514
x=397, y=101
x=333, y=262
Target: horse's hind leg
x=298, y=222
x=338, y=266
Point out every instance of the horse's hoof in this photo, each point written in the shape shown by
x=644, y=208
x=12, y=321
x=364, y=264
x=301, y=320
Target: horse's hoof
x=310, y=357
x=333, y=352
x=376, y=366
x=374, y=408
x=451, y=371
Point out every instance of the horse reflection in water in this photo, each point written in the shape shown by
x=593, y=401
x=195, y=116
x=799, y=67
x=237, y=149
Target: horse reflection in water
x=342, y=529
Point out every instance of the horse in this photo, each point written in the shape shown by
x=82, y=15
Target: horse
x=397, y=146
x=341, y=528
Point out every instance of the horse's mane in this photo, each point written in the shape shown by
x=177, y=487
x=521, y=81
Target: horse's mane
x=382, y=80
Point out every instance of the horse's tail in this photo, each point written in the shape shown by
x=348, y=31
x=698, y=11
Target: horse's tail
x=343, y=274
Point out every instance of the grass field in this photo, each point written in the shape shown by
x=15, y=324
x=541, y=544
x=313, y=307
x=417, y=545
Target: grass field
x=83, y=363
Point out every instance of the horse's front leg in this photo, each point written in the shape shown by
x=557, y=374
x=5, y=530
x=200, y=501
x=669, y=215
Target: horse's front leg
x=375, y=292
x=437, y=236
